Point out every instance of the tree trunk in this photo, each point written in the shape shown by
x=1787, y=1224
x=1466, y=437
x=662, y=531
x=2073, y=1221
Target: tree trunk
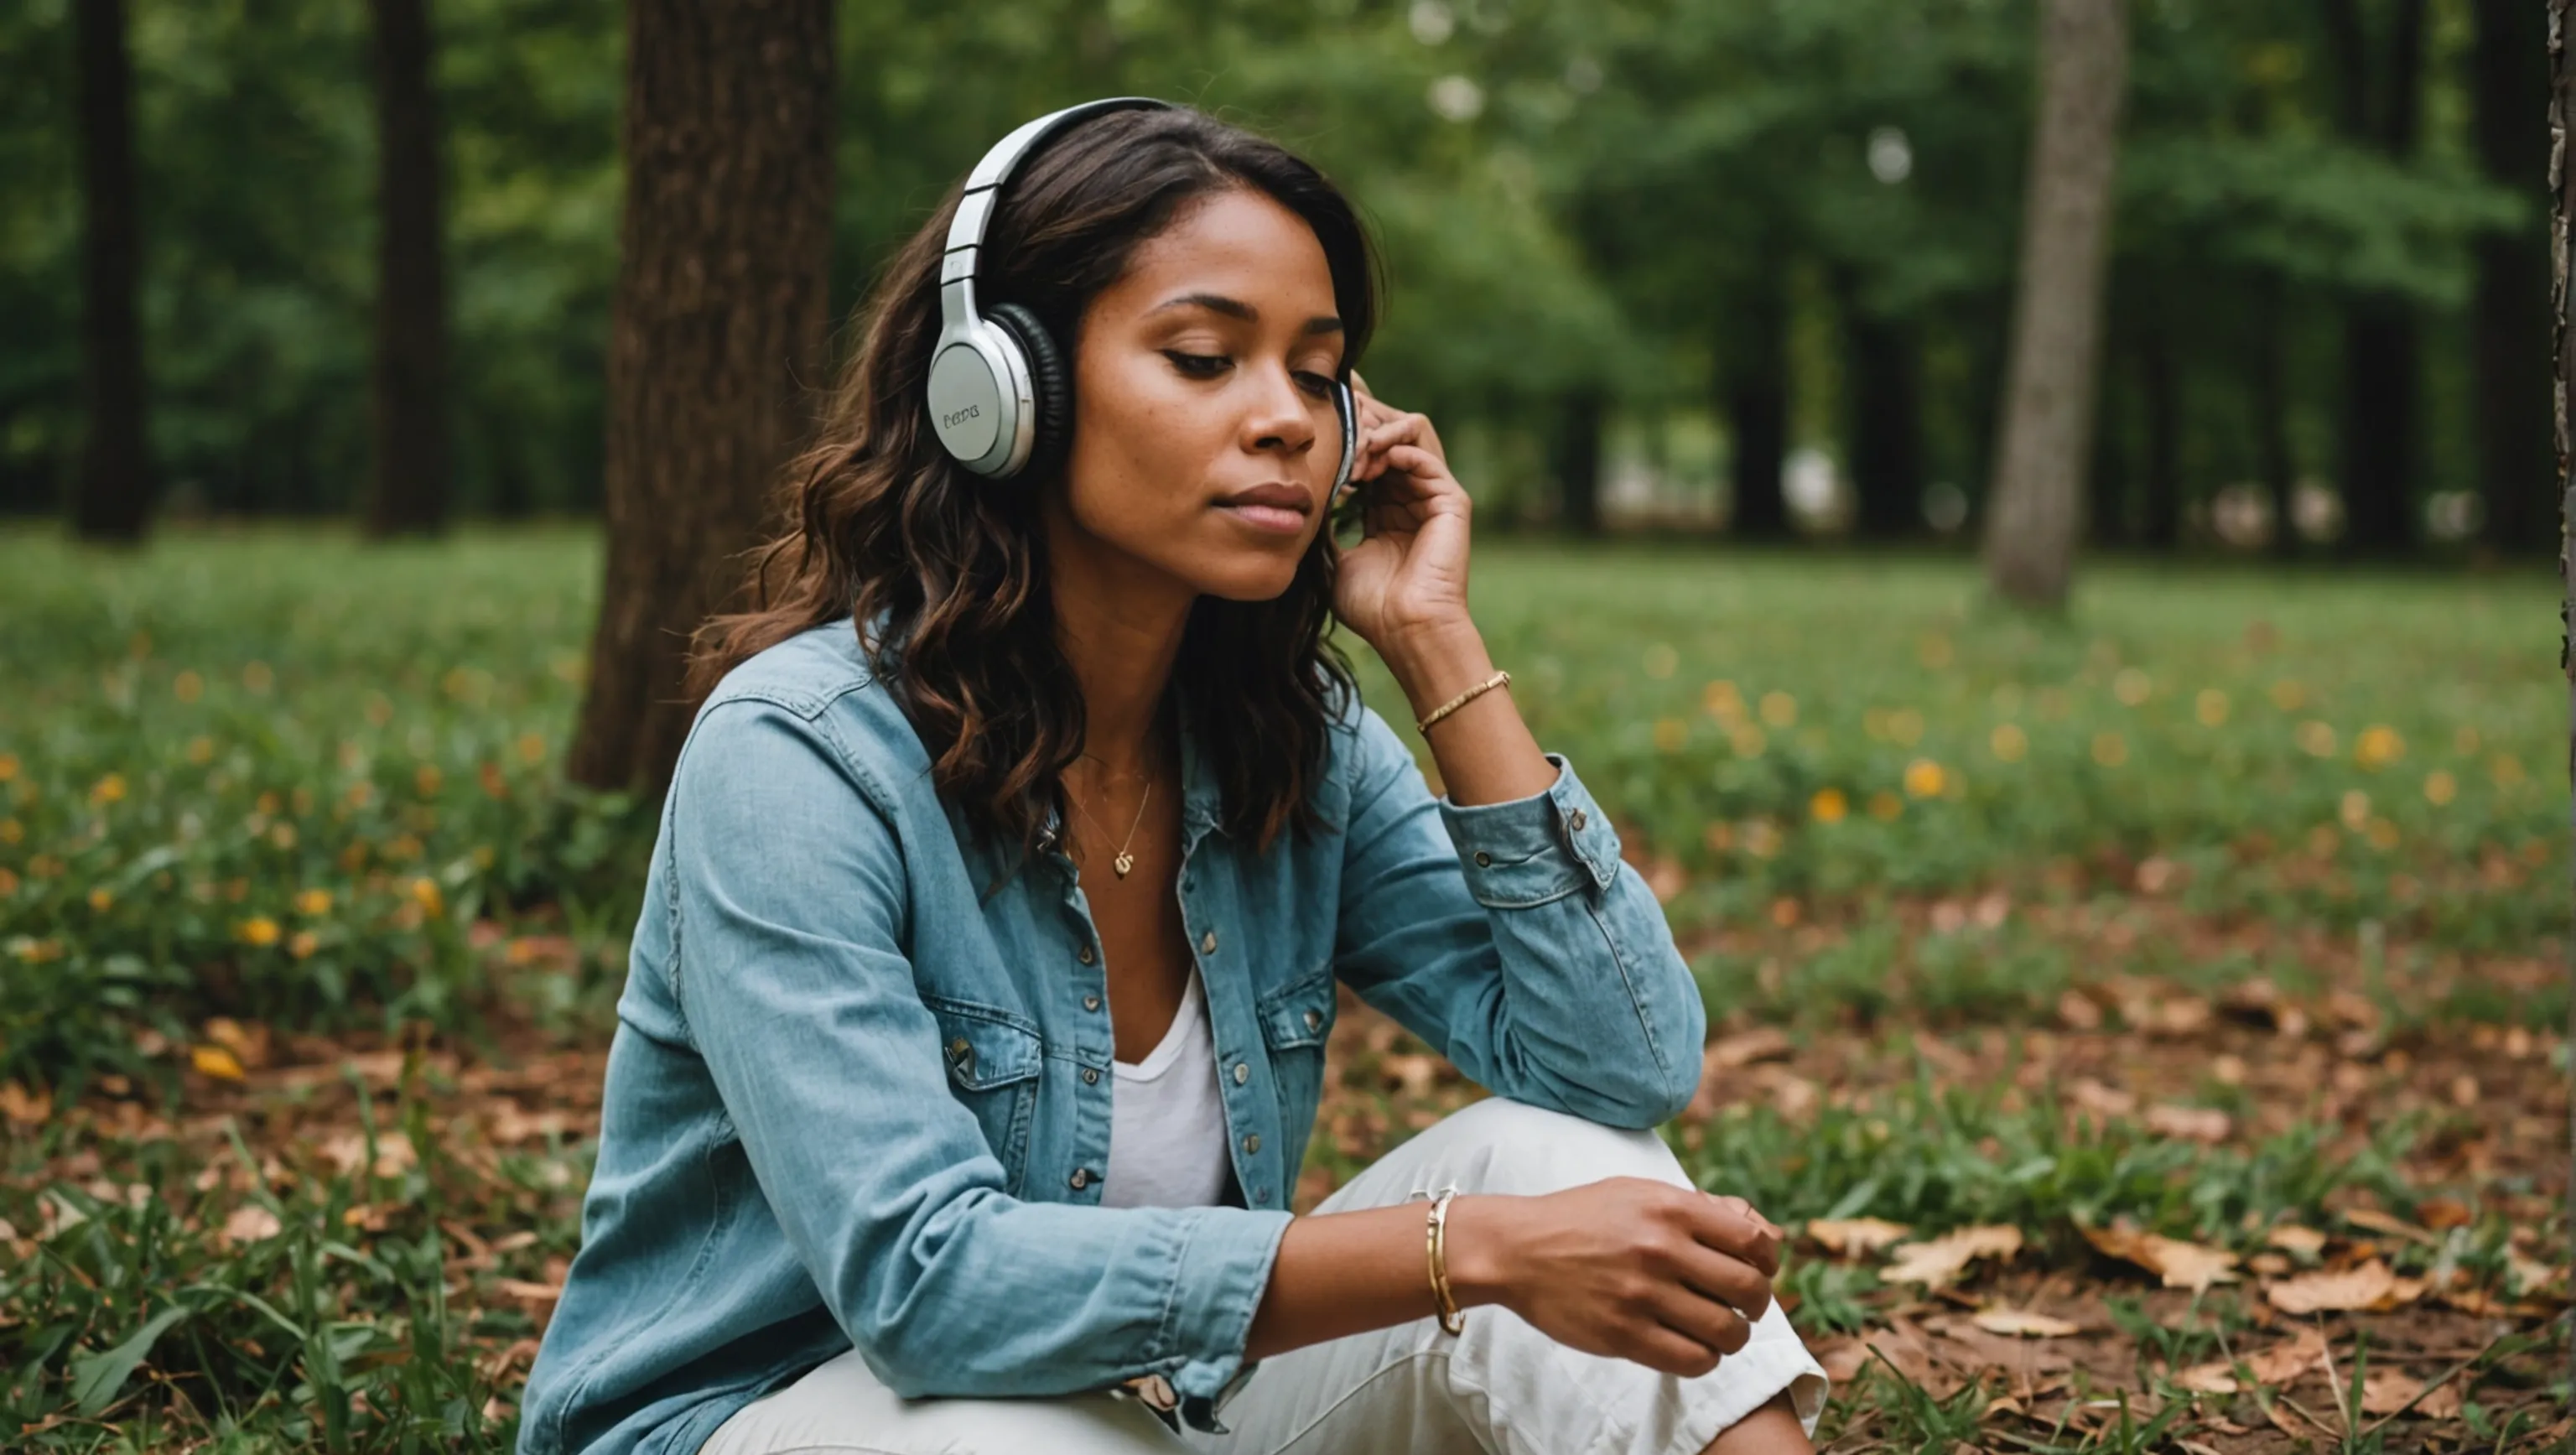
x=2057, y=315
x=2160, y=391
x=409, y=492
x=2379, y=107
x=2562, y=197
x=1886, y=425
x=719, y=314
x=115, y=469
x=2271, y=365
x=2510, y=324
x=1578, y=463
x=2108, y=472
x=1755, y=385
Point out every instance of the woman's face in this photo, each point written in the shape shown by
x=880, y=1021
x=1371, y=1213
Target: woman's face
x=1205, y=438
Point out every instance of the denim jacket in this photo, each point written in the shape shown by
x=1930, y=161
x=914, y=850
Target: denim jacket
x=850, y=1103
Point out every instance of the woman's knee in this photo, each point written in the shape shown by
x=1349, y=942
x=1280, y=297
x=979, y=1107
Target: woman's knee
x=1499, y=1145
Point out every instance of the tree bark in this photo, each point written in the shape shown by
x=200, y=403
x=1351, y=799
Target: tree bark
x=2562, y=197
x=408, y=494
x=1886, y=427
x=1754, y=385
x=2057, y=314
x=1578, y=462
x=2510, y=324
x=718, y=318
x=115, y=491
x=2379, y=108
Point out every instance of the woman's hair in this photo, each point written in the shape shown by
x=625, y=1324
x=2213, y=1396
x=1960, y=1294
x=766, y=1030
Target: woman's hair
x=879, y=517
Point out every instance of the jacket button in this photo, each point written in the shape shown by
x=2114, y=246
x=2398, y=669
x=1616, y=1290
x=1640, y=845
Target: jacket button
x=1083, y=954
x=1252, y=1143
x=1483, y=859
x=1578, y=820
x=1207, y=942
x=1314, y=1020
x=1091, y=1002
x=1081, y=1178
x=1242, y=1073
x=1090, y=1075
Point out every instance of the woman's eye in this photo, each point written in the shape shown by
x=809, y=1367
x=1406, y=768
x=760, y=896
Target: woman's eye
x=1319, y=385
x=1197, y=366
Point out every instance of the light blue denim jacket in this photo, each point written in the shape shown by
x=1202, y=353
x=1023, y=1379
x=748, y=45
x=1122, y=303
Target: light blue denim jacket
x=849, y=1104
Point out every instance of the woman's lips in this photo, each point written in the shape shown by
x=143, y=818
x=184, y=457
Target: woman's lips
x=1271, y=519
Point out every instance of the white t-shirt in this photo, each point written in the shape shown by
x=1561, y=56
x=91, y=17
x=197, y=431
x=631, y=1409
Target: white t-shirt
x=1166, y=1123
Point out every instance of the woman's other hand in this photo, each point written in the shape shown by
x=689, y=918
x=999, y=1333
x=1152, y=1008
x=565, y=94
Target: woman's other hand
x=1408, y=574
x=1631, y=1268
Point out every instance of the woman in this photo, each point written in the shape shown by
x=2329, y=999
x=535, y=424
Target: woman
x=976, y=1018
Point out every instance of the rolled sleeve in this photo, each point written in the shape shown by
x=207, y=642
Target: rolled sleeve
x=1513, y=939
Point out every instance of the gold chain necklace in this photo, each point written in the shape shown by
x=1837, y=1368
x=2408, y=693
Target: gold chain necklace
x=1124, y=860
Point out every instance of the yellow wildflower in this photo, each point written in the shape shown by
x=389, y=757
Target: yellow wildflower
x=2110, y=749
x=1923, y=778
x=1779, y=709
x=532, y=748
x=101, y=897
x=313, y=903
x=425, y=891
x=8, y=766
x=8, y=881
x=259, y=930
x=2378, y=746
x=2211, y=706
x=2440, y=787
x=2008, y=742
x=1828, y=806
x=188, y=686
x=110, y=789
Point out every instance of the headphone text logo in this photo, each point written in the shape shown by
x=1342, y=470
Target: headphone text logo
x=949, y=421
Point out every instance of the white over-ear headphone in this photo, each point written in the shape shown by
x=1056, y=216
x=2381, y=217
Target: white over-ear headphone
x=999, y=388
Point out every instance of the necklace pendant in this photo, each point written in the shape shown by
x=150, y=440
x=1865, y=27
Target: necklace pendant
x=1123, y=863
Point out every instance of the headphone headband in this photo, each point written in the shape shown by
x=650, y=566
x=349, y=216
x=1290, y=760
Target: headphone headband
x=984, y=185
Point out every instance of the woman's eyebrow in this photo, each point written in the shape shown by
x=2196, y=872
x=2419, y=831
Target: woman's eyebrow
x=1237, y=308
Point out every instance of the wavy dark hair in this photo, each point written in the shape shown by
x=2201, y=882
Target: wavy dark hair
x=878, y=517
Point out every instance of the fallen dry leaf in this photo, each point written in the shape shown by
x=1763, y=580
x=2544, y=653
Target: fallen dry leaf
x=217, y=1062
x=1943, y=1258
x=2369, y=1286
x=2180, y=1264
x=2190, y=1123
x=27, y=1109
x=2528, y=1275
x=2294, y=1238
x=250, y=1223
x=2093, y=1096
x=2023, y=1322
x=2283, y=1363
x=2397, y=1227
x=2386, y=1391
x=1855, y=1237
x=1728, y=1053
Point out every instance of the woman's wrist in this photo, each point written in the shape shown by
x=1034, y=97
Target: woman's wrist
x=1479, y=1238
x=1435, y=664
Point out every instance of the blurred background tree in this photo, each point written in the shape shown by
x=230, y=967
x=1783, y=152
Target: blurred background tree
x=1704, y=264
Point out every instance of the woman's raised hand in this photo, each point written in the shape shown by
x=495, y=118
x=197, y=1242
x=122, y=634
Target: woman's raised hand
x=1631, y=1268
x=1408, y=574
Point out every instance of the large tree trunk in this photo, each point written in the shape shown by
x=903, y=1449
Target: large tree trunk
x=2511, y=328
x=2057, y=315
x=1886, y=427
x=1578, y=462
x=1754, y=387
x=115, y=493
x=409, y=491
x=2379, y=107
x=725, y=255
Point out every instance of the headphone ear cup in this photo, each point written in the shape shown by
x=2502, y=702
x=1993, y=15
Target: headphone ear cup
x=1049, y=379
x=1347, y=406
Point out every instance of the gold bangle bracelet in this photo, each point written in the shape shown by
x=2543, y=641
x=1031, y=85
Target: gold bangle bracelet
x=1423, y=725
x=1451, y=1321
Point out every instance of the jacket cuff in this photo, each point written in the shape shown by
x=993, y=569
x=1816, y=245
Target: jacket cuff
x=1530, y=850
x=1222, y=1271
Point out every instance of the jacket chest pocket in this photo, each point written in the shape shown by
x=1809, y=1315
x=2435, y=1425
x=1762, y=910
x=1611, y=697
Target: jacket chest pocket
x=1296, y=1022
x=993, y=1065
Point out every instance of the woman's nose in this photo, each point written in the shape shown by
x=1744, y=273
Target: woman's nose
x=1279, y=418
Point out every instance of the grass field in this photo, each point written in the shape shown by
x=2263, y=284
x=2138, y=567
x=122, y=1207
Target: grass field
x=2229, y=913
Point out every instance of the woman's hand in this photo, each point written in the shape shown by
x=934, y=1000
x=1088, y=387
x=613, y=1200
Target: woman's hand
x=1408, y=574
x=1629, y=1268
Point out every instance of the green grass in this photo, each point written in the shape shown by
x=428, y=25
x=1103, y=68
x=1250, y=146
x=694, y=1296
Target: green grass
x=310, y=786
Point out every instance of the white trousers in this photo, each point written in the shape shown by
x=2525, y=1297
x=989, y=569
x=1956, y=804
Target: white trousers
x=1502, y=1386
